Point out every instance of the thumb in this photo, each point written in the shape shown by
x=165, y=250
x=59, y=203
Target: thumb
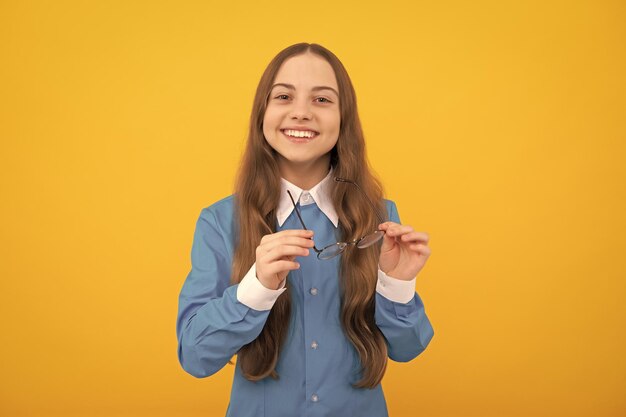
x=388, y=243
x=283, y=275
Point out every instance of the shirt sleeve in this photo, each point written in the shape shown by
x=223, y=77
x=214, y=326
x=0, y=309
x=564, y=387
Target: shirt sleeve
x=254, y=294
x=395, y=289
x=215, y=319
x=400, y=314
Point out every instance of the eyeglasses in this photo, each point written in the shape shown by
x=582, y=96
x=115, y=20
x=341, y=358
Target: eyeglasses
x=335, y=249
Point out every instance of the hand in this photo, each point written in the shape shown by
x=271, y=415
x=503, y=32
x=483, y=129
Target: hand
x=276, y=254
x=404, y=251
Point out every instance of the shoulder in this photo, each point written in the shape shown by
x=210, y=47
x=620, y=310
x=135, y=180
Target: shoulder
x=225, y=204
x=219, y=212
x=392, y=210
x=390, y=204
x=219, y=219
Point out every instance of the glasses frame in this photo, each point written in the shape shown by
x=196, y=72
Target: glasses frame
x=344, y=245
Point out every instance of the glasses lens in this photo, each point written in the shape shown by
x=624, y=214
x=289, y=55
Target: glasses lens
x=332, y=250
x=370, y=239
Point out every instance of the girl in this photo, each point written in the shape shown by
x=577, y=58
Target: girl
x=322, y=288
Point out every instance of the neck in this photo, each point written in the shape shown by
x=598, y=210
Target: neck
x=305, y=175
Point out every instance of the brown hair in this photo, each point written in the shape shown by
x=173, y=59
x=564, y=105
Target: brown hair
x=257, y=192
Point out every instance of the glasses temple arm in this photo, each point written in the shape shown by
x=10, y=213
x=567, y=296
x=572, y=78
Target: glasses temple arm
x=297, y=211
x=300, y=217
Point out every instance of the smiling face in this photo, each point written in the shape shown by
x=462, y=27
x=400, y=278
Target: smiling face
x=302, y=118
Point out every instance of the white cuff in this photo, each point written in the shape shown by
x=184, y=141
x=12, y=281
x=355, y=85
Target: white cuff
x=395, y=289
x=254, y=294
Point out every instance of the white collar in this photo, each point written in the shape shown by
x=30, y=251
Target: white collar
x=320, y=194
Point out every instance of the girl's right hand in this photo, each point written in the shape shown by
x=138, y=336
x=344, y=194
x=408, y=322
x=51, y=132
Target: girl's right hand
x=276, y=254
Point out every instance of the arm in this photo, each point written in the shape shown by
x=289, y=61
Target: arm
x=400, y=313
x=214, y=319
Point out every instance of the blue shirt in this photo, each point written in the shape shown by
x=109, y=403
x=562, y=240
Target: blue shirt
x=317, y=364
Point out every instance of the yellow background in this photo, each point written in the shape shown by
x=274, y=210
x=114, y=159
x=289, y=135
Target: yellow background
x=497, y=127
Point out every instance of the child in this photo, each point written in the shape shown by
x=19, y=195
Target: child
x=297, y=272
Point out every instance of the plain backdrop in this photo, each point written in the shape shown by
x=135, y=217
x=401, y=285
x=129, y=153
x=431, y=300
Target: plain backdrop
x=498, y=127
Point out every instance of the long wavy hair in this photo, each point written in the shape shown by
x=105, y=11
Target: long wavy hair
x=257, y=193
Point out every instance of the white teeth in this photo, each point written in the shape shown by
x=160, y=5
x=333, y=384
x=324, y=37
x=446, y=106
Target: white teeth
x=300, y=133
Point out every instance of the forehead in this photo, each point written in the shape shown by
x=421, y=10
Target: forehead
x=306, y=70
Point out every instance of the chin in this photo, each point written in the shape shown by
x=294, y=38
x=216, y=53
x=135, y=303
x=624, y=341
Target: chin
x=300, y=159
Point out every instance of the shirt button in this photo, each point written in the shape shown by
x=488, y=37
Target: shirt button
x=315, y=398
x=306, y=197
x=314, y=345
x=313, y=291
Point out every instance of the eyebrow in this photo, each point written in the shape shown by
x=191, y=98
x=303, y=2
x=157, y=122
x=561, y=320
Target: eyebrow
x=317, y=88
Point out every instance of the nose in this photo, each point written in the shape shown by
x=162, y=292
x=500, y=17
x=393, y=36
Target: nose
x=301, y=110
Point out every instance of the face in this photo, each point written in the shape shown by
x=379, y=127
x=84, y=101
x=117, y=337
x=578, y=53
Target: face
x=302, y=118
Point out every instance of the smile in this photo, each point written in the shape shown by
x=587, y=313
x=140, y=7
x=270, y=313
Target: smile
x=299, y=133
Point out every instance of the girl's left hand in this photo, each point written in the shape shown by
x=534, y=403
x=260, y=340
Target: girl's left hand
x=404, y=251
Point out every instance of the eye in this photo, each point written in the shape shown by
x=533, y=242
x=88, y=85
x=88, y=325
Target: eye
x=324, y=98
x=281, y=95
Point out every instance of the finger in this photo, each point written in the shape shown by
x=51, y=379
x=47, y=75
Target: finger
x=281, y=266
x=289, y=232
x=386, y=225
x=289, y=240
x=399, y=230
x=288, y=258
x=282, y=251
x=389, y=243
x=415, y=236
x=420, y=248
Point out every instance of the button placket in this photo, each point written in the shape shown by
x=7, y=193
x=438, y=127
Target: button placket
x=313, y=305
